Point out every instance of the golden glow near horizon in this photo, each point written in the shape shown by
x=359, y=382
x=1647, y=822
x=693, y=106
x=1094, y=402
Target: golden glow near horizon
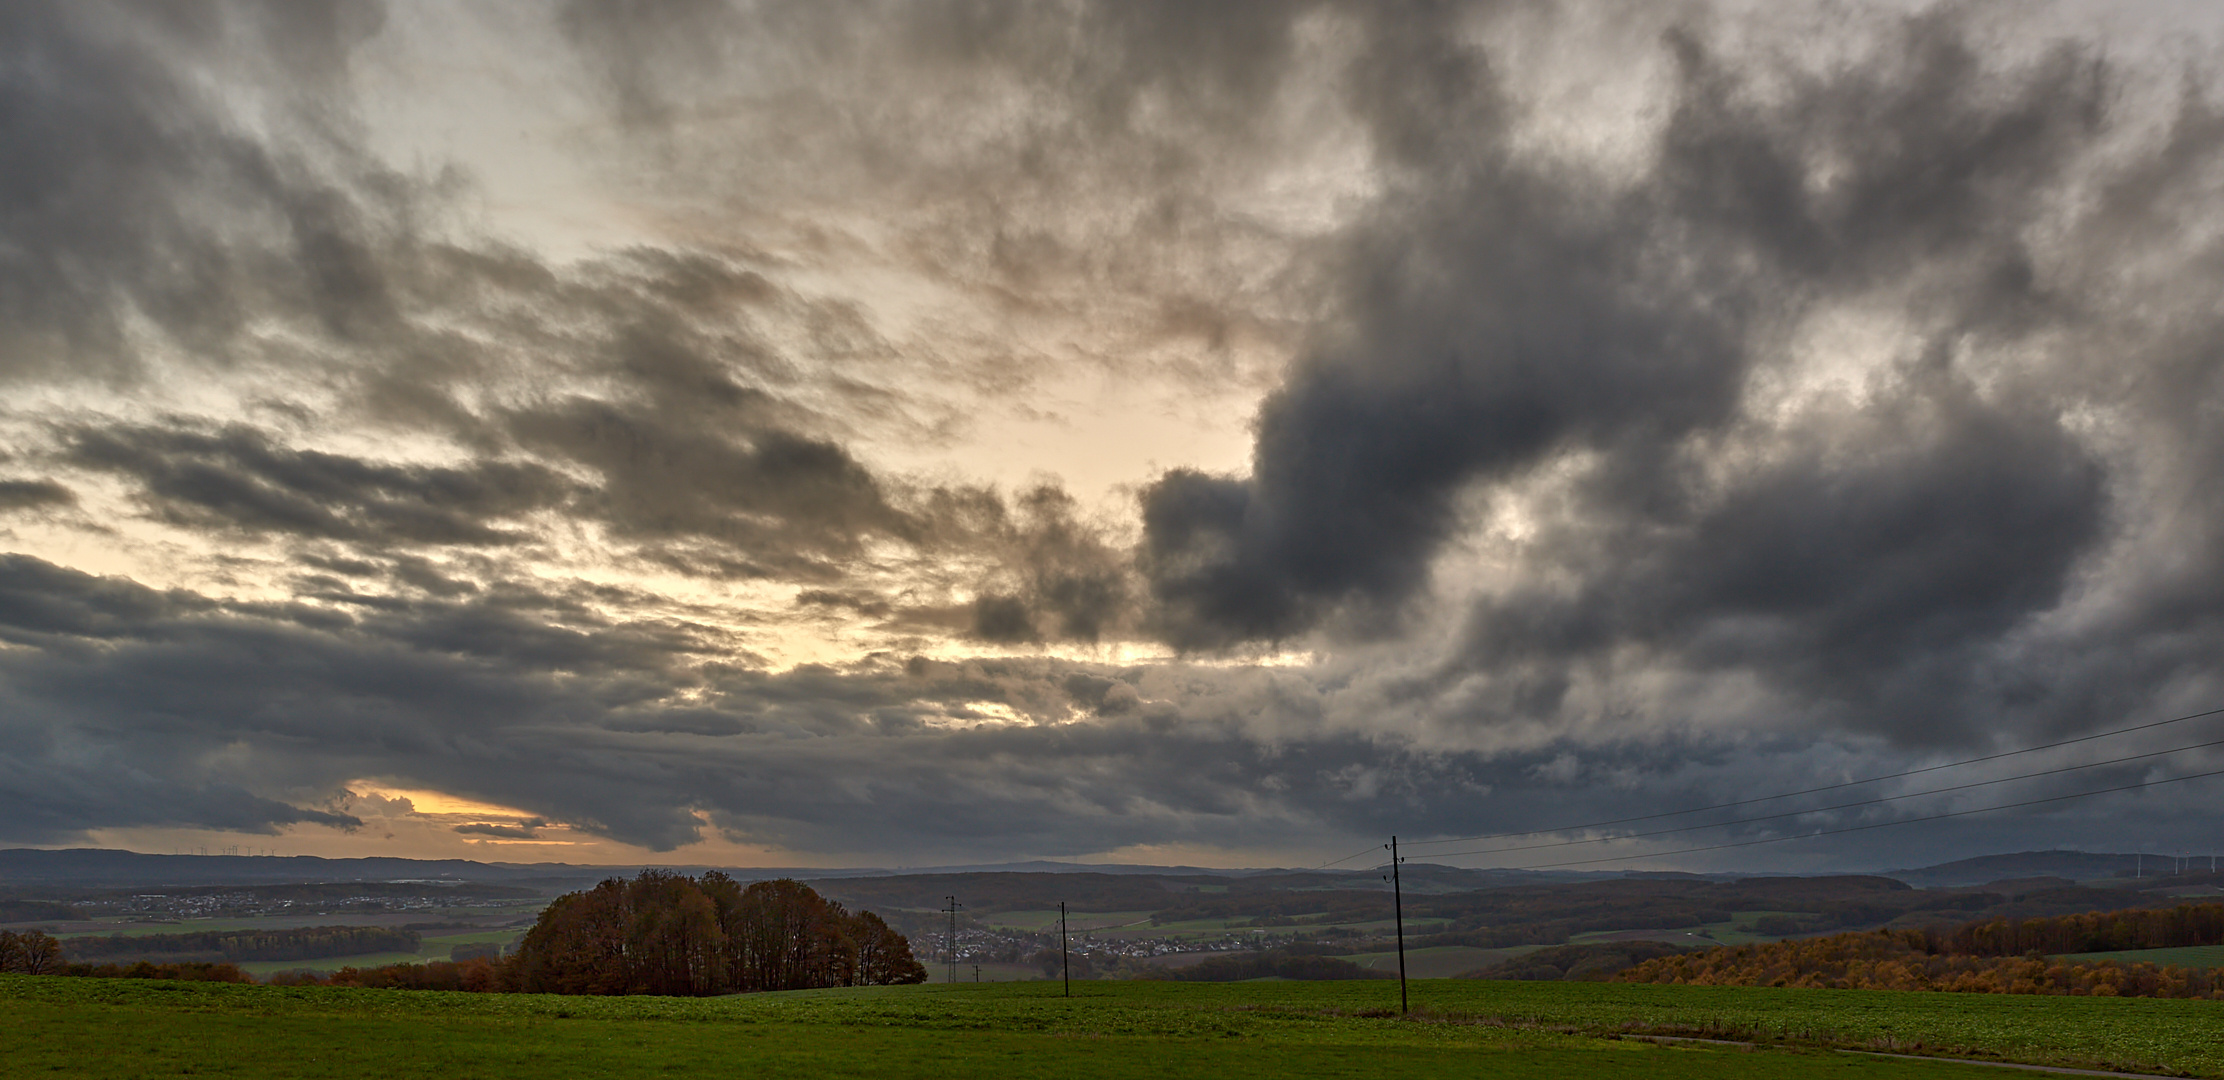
x=433, y=802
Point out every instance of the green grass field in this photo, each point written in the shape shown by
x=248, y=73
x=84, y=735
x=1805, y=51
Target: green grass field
x=114, y=1027
x=2191, y=956
x=1041, y=921
x=1437, y=962
x=181, y=926
x=434, y=945
x=431, y=946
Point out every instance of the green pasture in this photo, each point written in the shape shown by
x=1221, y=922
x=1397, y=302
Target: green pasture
x=1076, y=921
x=1696, y=936
x=1728, y=934
x=431, y=946
x=1704, y=935
x=1413, y=927
x=1437, y=962
x=119, y=1027
x=1183, y=928
x=181, y=926
x=987, y=971
x=2190, y=956
x=327, y=964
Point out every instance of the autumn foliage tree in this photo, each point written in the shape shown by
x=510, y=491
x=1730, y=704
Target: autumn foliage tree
x=1989, y=956
x=666, y=933
x=29, y=953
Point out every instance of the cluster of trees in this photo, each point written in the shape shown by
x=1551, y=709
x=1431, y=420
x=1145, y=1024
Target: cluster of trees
x=34, y=953
x=661, y=933
x=1992, y=956
x=2093, y=931
x=29, y=953
x=1595, y=962
x=16, y=910
x=666, y=933
x=304, y=943
x=476, y=975
x=183, y=971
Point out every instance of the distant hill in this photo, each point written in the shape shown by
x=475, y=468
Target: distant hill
x=107, y=868
x=33, y=868
x=100, y=867
x=2074, y=865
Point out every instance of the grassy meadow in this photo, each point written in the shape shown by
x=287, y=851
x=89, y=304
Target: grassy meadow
x=116, y=1027
x=2186, y=956
x=432, y=944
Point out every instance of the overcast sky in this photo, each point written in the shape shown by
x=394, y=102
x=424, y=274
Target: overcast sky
x=791, y=433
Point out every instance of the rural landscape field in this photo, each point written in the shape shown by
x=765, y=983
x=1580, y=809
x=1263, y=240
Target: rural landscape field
x=1052, y=538
x=1266, y=974
x=59, y=1026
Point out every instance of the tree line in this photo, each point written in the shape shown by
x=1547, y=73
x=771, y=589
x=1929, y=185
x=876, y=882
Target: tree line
x=661, y=933
x=35, y=953
x=666, y=933
x=302, y=943
x=2093, y=931
x=1989, y=956
x=29, y=953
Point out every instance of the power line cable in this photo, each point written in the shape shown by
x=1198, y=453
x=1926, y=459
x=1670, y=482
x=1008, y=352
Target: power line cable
x=1813, y=790
x=1856, y=828
x=1345, y=859
x=1837, y=806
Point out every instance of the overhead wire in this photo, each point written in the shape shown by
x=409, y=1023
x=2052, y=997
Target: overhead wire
x=1345, y=859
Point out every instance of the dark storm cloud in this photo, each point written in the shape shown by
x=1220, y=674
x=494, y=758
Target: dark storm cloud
x=528, y=712
x=1059, y=579
x=774, y=492
x=31, y=494
x=1504, y=312
x=703, y=459
x=1958, y=525
x=1884, y=561
x=190, y=704
x=237, y=479
x=133, y=193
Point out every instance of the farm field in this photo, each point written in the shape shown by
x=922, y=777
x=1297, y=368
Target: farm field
x=1437, y=962
x=1076, y=921
x=985, y=971
x=99, y=1027
x=1697, y=937
x=432, y=944
x=2190, y=956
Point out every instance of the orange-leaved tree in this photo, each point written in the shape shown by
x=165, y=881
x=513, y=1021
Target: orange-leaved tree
x=666, y=933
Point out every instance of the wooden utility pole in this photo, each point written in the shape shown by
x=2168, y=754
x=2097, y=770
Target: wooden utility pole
x=1065, y=959
x=1397, y=911
x=952, y=953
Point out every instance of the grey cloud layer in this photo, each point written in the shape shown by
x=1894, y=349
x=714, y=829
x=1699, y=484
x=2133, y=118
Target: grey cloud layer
x=1886, y=553
x=1726, y=567
x=524, y=701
